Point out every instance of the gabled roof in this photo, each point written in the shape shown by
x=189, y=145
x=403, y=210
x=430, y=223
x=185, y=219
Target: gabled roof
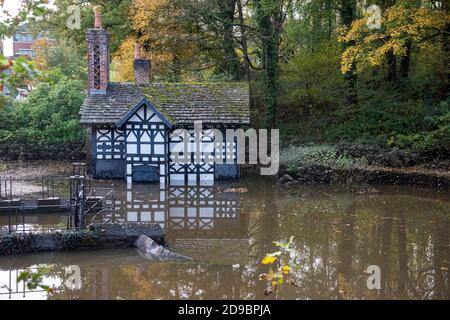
x=134, y=109
x=179, y=103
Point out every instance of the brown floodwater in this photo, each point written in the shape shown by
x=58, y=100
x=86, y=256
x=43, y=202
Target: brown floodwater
x=339, y=231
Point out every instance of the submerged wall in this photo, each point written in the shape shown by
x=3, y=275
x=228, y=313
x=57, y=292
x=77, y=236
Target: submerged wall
x=16, y=150
x=96, y=236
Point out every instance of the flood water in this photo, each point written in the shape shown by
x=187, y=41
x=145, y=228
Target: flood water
x=339, y=231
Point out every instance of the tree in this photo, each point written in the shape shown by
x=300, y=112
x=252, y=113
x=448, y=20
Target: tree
x=348, y=15
x=165, y=31
x=115, y=19
x=29, y=10
x=270, y=17
x=391, y=59
x=48, y=115
x=402, y=27
x=446, y=48
x=16, y=74
x=19, y=73
x=60, y=58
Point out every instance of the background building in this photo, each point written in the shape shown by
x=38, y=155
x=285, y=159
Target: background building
x=23, y=42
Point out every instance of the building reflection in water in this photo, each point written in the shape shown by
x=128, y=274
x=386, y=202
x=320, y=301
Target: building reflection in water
x=182, y=211
x=338, y=236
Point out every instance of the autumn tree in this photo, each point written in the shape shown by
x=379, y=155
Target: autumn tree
x=403, y=27
x=159, y=27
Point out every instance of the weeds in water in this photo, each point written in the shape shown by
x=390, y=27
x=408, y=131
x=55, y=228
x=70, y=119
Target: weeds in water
x=283, y=264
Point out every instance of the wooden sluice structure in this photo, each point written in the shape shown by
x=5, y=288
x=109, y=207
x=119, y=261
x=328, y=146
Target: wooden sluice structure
x=80, y=200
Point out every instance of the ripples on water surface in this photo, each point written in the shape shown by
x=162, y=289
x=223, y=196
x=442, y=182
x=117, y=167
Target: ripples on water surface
x=339, y=231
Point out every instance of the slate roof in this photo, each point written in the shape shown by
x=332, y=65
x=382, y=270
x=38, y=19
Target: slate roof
x=180, y=103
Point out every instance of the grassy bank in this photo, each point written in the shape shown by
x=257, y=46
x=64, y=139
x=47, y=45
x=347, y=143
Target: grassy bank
x=344, y=163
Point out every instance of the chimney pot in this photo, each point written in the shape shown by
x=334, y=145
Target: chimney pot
x=141, y=66
x=137, y=51
x=98, y=19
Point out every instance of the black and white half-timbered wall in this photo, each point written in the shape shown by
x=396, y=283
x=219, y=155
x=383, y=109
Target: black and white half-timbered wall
x=132, y=127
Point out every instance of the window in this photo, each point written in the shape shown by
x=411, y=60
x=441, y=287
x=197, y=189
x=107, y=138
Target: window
x=25, y=52
x=23, y=37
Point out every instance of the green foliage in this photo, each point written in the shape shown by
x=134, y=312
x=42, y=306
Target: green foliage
x=29, y=10
x=289, y=50
x=16, y=74
x=49, y=115
x=61, y=59
x=312, y=78
x=115, y=20
x=294, y=157
x=437, y=137
x=34, y=280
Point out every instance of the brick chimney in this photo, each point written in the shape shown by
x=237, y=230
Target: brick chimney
x=98, y=56
x=141, y=67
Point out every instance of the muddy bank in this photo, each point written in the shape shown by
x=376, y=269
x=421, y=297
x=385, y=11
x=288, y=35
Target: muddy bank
x=435, y=174
x=35, y=169
x=348, y=163
x=27, y=175
x=382, y=156
x=369, y=175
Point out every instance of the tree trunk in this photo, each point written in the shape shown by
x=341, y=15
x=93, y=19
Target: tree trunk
x=176, y=68
x=244, y=41
x=269, y=58
x=348, y=14
x=231, y=62
x=329, y=8
x=406, y=61
x=391, y=59
x=446, y=52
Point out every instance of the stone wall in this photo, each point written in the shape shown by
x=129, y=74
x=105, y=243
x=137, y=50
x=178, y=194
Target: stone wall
x=56, y=151
x=96, y=236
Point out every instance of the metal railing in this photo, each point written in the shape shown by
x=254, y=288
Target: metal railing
x=77, y=201
x=104, y=196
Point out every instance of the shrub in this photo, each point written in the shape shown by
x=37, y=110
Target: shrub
x=303, y=156
x=49, y=115
x=437, y=137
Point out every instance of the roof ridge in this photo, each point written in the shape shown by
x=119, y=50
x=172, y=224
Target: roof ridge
x=212, y=102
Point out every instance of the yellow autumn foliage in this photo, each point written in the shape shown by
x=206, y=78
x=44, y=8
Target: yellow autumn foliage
x=123, y=61
x=156, y=22
x=399, y=26
x=268, y=259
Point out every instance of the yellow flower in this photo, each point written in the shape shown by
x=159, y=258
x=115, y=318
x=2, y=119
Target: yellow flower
x=285, y=269
x=268, y=260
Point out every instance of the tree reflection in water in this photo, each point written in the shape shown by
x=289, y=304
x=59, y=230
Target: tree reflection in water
x=338, y=233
